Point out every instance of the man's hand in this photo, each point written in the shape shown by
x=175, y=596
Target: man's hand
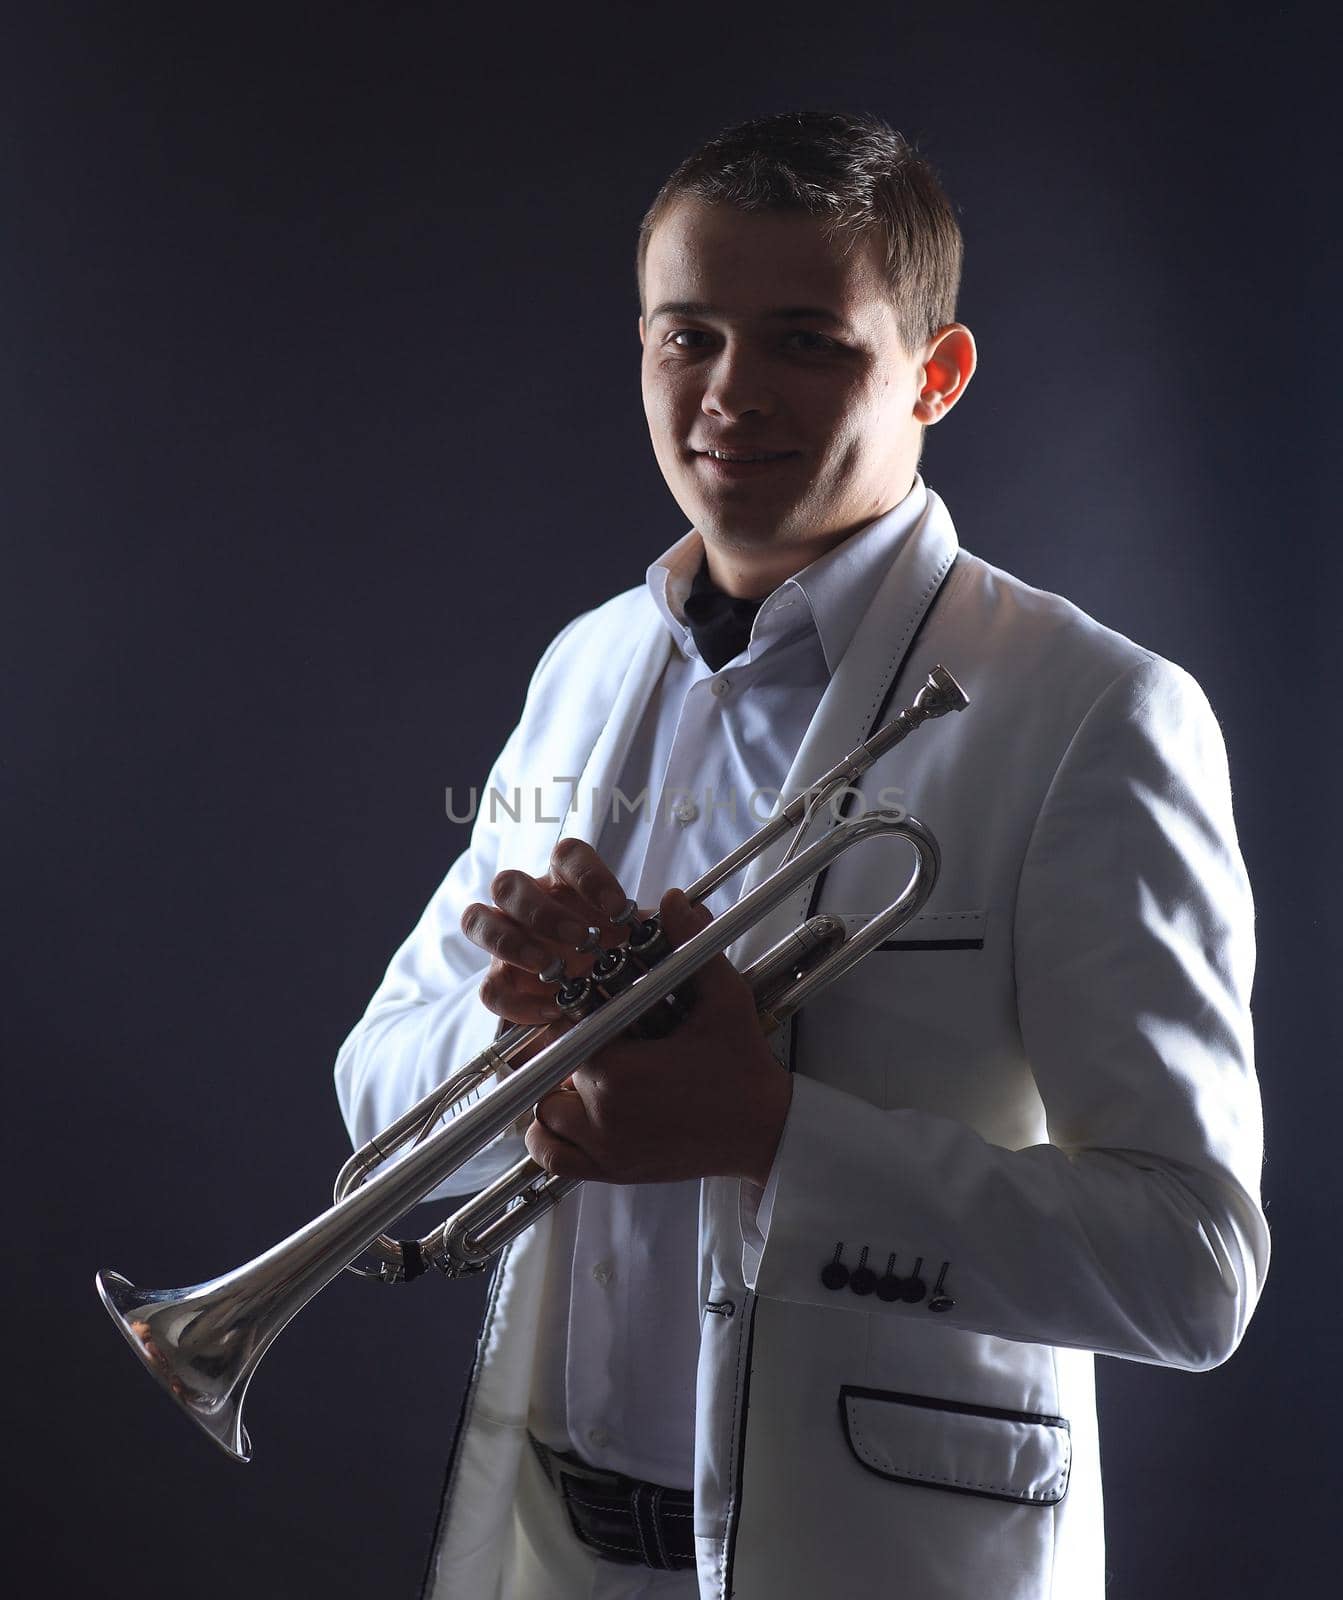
x=708, y=1100
x=535, y=921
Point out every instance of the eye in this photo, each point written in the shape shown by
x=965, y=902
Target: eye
x=822, y=342
x=818, y=341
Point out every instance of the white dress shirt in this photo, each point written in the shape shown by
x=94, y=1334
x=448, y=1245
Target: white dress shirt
x=620, y=1319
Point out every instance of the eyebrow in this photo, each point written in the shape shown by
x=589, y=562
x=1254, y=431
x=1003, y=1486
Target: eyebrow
x=698, y=308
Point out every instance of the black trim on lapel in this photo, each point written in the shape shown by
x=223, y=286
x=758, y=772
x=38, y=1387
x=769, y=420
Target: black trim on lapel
x=463, y=1417
x=846, y=801
x=734, y=1521
x=931, y=944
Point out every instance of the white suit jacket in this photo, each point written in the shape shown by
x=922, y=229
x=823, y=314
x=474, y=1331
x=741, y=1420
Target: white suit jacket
x=1047, y=1085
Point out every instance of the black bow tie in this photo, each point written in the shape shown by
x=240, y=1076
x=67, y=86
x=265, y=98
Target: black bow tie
x=721, y=624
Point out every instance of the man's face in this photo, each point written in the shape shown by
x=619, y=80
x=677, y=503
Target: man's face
x=838, y=392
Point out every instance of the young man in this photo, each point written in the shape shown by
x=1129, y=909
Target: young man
x=821, y=1320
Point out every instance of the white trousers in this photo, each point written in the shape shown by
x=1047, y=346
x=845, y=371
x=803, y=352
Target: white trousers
x=546, y=1560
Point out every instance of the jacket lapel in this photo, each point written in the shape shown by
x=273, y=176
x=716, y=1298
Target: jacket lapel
x=592, y=798
x=872, y=661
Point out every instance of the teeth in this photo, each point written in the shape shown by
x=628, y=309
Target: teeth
x=718, y=455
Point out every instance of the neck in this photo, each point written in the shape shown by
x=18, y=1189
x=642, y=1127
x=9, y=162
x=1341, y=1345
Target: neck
x=745, y=577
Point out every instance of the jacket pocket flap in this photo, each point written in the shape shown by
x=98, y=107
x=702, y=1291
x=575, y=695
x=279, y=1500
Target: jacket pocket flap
x=943, y=1444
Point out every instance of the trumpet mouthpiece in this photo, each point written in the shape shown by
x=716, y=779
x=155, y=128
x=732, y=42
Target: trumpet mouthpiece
x=940, y=694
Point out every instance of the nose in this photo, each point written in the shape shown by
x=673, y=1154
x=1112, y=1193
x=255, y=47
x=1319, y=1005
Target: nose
x=736, y=385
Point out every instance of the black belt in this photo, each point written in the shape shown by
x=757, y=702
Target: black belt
x=623, y=1519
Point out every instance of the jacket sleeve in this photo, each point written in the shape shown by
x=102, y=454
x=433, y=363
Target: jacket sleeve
x=1136, y=1231
x=425, y=1020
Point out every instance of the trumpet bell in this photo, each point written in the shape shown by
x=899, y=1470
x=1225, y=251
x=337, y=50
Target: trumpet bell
x=198, y=1346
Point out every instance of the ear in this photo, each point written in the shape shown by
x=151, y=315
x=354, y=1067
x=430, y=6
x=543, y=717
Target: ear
x=641, y=330
x=948, y=365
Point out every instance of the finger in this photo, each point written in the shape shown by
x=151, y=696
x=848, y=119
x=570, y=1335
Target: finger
x=556, y=1157
x=577, y=864
x=496, y=933
x=539, y=1037
x=547, y=909
x=682, y=919
x=560, y=1112
x=517, y=996
x=603, y=935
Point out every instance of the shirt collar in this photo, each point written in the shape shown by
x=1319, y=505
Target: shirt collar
x=837, y=586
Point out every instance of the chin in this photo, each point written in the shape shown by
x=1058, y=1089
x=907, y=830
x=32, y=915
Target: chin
x=732, y=520
x=740, y=534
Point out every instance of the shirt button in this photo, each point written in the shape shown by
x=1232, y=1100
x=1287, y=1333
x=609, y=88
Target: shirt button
x=720, y=687
x=685, y=811
x=599, y=1437
x=603, y=1272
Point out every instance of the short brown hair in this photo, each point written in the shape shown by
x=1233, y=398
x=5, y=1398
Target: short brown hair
x=853, y=169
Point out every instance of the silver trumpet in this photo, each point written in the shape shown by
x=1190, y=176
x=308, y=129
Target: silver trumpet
x=203, y=1343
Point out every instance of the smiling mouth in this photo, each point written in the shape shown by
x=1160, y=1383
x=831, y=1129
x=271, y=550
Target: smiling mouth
x=741, y=469
x=736, y=458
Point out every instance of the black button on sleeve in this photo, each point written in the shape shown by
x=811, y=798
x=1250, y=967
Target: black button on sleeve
x=834, y=1274
x=864, y=1280
x=888, y=1285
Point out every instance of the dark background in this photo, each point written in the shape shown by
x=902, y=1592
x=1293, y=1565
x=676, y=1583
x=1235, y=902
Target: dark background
x=320, y=403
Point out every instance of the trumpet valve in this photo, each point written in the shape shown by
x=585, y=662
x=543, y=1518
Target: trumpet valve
x=577, y=997
x=614, y=971
x=648, y=943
